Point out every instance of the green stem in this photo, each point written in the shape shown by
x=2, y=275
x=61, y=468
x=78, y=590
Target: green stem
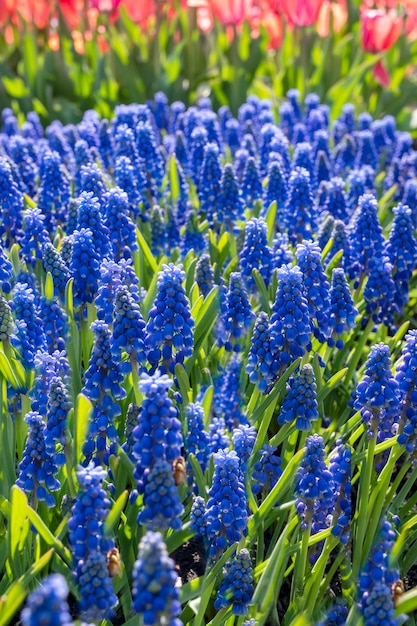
x=358, y=352
x=316, y=576
x=376, y=505
x=301, y=563
x=361, y=518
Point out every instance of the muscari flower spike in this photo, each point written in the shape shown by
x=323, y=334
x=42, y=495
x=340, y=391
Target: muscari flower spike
x=267, y=470
x=251, y=184
x=48, y=605
x=236, y=314
x=84, y=266
x=121, y=229
x=343, y=311
x=301, y=401
x=204, y=274
x=290, y=325
x=128, y=330
x=299, y=215
x=162, y=506
x=197, y=439
x=314, y=482
x=169, y=333
x=261, y=366
x=158, y=432
x=237, y=587
x=377, y=395
x=155, y=594
x=256, y=253
x=316, y=286
x=226, y=511
x=37, y=469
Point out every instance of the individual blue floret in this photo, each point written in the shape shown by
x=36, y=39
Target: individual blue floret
x=300, y=403
x=48, y=605
x=237, y=587
x=226, y=511
x=169, y=333
x=84, y=266
x=267, y=470
x=316, y=285
x=37, y=470
x=343, y=312
x=290, y=325
x=162, y=507
x=314, y=482
x=377, y=396
x=236, y=314
x=154, y=590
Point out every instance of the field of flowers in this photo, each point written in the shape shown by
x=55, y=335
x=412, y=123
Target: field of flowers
x=208, y=330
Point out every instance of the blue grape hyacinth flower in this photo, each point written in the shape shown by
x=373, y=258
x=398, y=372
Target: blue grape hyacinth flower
x=155, y=594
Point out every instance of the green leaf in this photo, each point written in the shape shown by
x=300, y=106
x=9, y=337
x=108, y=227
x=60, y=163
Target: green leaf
x=183, y=382
x=149, y=258
x=47, y=535
x=11, y=601
x=173, y=179
x=331, y=384
x=18, y=530
x=407, y=602
x=82, y=415
x=113, y=517
x=15, y=87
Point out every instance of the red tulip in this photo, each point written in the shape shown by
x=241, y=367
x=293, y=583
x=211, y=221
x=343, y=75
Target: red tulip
x=301, y=12
x=380, y=29
x=230, y=11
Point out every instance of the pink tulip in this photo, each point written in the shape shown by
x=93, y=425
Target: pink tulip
x=301, y=12
x=380, y=29
x=230, y=12
x=337, y=12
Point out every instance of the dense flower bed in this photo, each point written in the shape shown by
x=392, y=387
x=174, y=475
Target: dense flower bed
x=208, y=389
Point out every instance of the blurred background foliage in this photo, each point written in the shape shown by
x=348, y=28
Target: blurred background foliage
x=63, y=57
